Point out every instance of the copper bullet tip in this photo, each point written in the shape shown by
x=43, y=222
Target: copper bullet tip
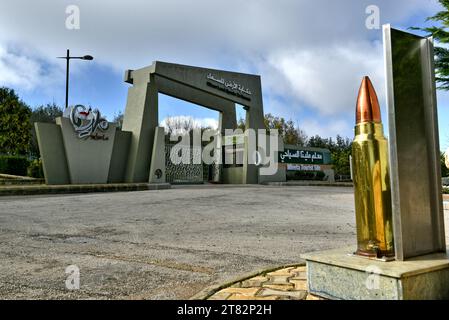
x=368, y=109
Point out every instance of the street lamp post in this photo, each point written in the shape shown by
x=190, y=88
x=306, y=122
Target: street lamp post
x=68, y=57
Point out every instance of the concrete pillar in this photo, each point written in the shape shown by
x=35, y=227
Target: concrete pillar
x=141, y=118
x=157, y=169
x=254, y=120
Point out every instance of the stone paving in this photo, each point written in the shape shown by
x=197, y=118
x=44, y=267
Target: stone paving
x=283, y=284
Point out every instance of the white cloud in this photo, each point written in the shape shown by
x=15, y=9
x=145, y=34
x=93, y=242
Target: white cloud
x=133, y=33
x=207, y=123
x=309, y=53
x=19, y=70
x=327, y=79
x=325, y=128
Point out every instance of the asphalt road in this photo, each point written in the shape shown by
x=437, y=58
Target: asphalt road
x=167, y=244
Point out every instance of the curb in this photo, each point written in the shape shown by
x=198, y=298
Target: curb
x=9, y=179
x=85, y=188
x=15, y=182
x=211, y=290
x=309, y=184
x=11, y=182
x=14, y=177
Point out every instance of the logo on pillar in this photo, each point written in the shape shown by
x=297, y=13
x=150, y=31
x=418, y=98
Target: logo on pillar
x=87, y=122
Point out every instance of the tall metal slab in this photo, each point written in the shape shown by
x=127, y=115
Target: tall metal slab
x=418, y=216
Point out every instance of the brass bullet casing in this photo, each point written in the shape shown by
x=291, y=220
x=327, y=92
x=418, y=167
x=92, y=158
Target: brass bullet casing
x=371, y=178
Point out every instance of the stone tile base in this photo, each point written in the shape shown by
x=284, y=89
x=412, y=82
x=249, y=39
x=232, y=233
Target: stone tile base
x=337, y=274
x=283, y=284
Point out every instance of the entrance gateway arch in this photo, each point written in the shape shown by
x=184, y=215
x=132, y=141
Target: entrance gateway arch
x=214, y=89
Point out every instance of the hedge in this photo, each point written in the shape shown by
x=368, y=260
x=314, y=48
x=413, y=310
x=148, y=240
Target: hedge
x=15, y=165
x=306, y=175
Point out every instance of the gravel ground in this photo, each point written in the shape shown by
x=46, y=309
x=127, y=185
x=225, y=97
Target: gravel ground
x=167, y=244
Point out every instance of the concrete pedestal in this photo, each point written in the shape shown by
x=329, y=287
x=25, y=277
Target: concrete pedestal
x=337, y=274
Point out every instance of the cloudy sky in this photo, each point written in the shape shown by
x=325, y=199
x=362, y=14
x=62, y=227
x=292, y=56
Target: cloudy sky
x=311, y=55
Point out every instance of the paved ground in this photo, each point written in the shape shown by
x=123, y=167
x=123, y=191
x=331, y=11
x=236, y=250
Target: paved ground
x=283, y=284
x=167, y=244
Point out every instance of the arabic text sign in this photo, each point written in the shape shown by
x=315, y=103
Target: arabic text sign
x=301, y=157
x=231, y=87
x=303, y=167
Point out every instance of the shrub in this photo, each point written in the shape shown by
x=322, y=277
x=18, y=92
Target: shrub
x=320, y=175
x=35, y=169
x=306, y=175
x=15, y=165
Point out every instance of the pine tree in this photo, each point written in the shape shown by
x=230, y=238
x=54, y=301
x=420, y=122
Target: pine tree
x=441, y=35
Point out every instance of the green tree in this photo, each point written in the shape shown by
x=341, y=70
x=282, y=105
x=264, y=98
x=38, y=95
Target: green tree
x=444, y=169
x=15, y=126
x=340, y=149
x=340, y=155
x=441, y=35
x=318, y=142
x=118, y=119
x=44, y=113
x=241, y=124
x=290, y=133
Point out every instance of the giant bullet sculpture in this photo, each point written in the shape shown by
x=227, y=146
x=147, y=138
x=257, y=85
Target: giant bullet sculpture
x=371, y=178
